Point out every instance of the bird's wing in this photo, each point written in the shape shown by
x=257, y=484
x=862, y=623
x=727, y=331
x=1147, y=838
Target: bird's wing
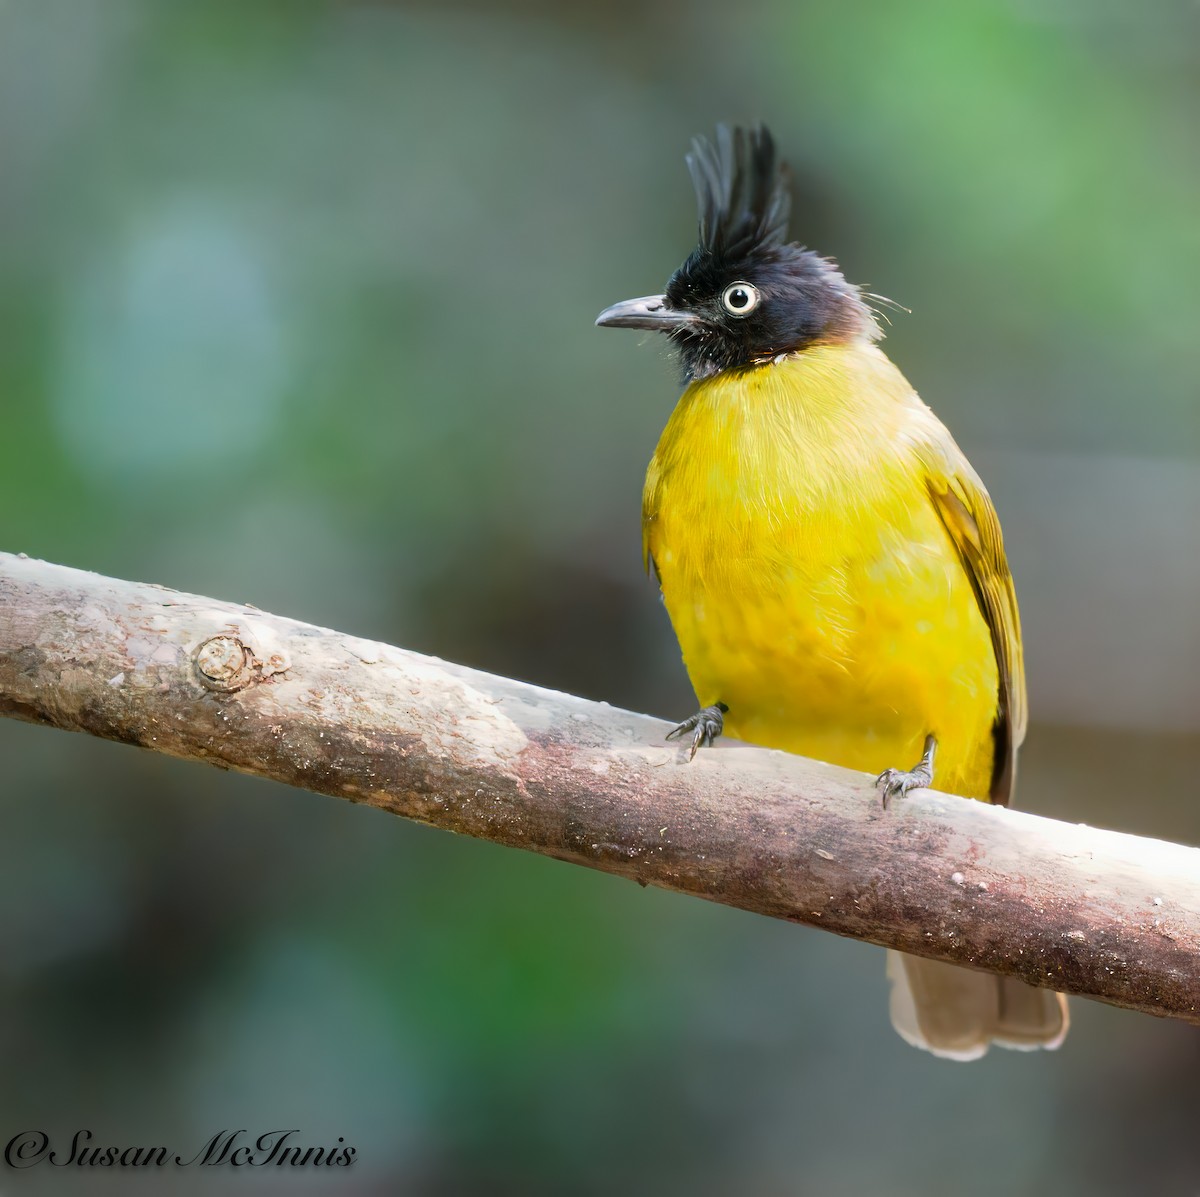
x=966, y=510
x=650, y=504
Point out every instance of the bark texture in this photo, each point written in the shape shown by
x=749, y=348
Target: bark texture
x=1089, y=912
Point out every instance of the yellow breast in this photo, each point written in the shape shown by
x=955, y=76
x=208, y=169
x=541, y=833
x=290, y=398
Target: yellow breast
x=810, y=581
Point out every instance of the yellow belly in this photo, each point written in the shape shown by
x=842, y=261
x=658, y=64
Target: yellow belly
x=811, y=584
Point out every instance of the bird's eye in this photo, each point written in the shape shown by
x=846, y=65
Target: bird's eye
x=740, y=299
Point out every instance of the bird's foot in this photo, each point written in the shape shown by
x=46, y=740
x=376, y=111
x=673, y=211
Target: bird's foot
x=706, y=725
x=895, y=783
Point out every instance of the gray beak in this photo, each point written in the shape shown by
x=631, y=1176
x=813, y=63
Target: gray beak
x=650, y=312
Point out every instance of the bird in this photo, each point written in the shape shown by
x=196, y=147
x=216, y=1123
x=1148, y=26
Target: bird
x=832, y=565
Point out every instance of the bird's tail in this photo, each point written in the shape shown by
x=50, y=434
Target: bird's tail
x=958, y=1013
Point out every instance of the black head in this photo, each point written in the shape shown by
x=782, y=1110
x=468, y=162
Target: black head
x=745, y=295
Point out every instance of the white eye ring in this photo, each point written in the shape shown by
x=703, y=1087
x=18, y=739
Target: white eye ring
x=740, y=299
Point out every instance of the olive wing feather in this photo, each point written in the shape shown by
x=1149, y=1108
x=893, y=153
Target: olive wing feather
x=965, y=509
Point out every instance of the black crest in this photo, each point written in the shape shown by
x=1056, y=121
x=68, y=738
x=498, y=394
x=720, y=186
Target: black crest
x=742, y=191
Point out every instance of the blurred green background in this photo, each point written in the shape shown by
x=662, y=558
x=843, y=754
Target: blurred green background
x=296, y=307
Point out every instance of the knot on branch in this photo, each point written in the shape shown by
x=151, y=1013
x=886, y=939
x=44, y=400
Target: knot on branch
x=226, y=663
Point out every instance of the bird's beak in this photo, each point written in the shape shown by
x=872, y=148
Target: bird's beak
x=650, y=312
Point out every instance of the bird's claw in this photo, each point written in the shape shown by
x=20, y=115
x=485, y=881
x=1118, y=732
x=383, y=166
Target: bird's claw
x=706, y=725
x=895, y=783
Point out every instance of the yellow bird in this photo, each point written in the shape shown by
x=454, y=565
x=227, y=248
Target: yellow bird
x=832, y=565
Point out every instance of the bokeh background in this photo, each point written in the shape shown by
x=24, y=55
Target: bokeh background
x=296, y=307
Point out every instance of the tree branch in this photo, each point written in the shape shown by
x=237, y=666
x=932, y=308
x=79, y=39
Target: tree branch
x=1108, y=916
